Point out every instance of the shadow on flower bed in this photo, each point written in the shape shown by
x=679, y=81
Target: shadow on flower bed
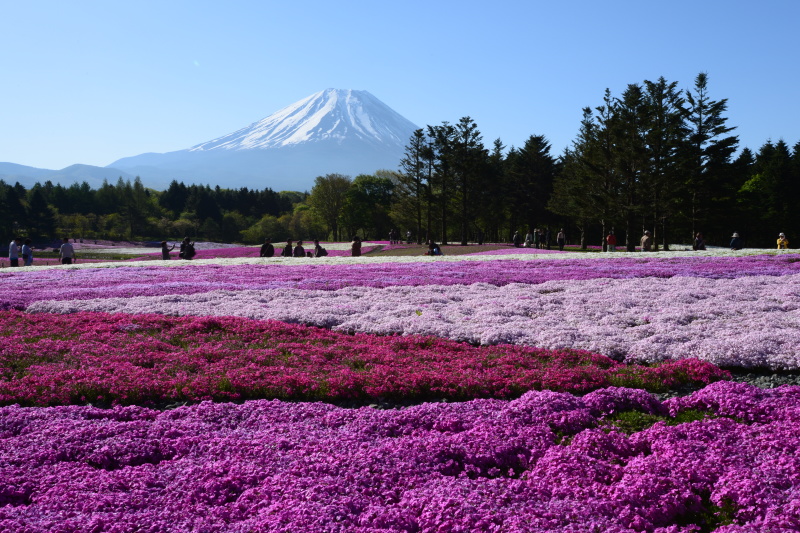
x=156, y=360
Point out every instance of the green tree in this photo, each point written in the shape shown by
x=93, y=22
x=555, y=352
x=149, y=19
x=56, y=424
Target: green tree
x=531, y=171
x=469, y=163
x=411, y=190
x=327, y=200
x=40, y=216
x=665, y=136
x=709, y=151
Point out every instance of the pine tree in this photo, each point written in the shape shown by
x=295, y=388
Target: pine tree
x=708, y=151
x=665, y=137
x=411, y=186
x=469, y=164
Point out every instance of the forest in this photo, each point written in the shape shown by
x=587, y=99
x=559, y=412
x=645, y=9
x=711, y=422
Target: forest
x=656, y=157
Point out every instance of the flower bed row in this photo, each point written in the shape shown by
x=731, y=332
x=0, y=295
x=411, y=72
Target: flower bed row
x=119, y=359
x=65, y=283
x=746, y=322
x=547, y=462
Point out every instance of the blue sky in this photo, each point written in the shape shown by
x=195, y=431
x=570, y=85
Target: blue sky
x=93, y=81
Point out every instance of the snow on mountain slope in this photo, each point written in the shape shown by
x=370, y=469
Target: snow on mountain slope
x=332, y=115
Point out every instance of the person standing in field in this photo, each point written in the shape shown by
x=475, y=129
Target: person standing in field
x=646, y=242
x=165, y=251
x=783, y=242
x=67, y=253
x=355, y=247
x=611, y=242
x=516, y=239
x=287, y=250
x=561, y=239
x=267, y=250
x=299, y=251
x=13, y=252
x=27, y=253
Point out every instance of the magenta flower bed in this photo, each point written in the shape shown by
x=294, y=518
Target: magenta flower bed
x=547, y=462
x=122, y=359
x=23, y=288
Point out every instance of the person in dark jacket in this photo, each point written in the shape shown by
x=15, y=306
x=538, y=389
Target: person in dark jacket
x=299, y=251
x=187, y=250
x=736, y=242
x=267, y=250
x=319, y=251
x=287, y=250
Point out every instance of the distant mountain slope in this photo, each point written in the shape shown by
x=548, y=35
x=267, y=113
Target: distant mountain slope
x=344, y=131
x=28, y=176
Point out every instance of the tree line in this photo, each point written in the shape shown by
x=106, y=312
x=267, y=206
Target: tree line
x=656, y=157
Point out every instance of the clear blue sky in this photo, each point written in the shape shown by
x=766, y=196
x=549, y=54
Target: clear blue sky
x=93, y=81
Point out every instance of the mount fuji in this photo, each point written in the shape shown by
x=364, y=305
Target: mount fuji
x=333, y=131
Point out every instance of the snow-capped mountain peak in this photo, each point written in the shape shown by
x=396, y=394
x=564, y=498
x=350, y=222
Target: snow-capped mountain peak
x=332, y=115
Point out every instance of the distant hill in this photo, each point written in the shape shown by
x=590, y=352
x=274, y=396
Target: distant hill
x=28, y=176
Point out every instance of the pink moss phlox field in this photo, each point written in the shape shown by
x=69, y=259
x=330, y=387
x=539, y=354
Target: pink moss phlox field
x=748, y=322
x=546, y=462
x=146, y=359
x=23, y=288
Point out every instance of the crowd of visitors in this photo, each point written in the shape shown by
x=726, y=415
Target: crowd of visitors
x=535, y=238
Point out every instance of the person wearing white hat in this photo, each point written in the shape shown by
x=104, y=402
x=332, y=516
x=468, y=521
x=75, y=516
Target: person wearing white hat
x=736, y=242
x=783, y=242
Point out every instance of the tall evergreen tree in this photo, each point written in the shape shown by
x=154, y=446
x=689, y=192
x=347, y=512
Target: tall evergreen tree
x=629, y=123
x=411, y=187
x=708, y=152
x=469, y=164
x=665, y=137
x=532, y=171
x=442, y=187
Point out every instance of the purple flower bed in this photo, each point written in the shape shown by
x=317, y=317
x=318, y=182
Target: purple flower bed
x=23, y=288
x=547, y=462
